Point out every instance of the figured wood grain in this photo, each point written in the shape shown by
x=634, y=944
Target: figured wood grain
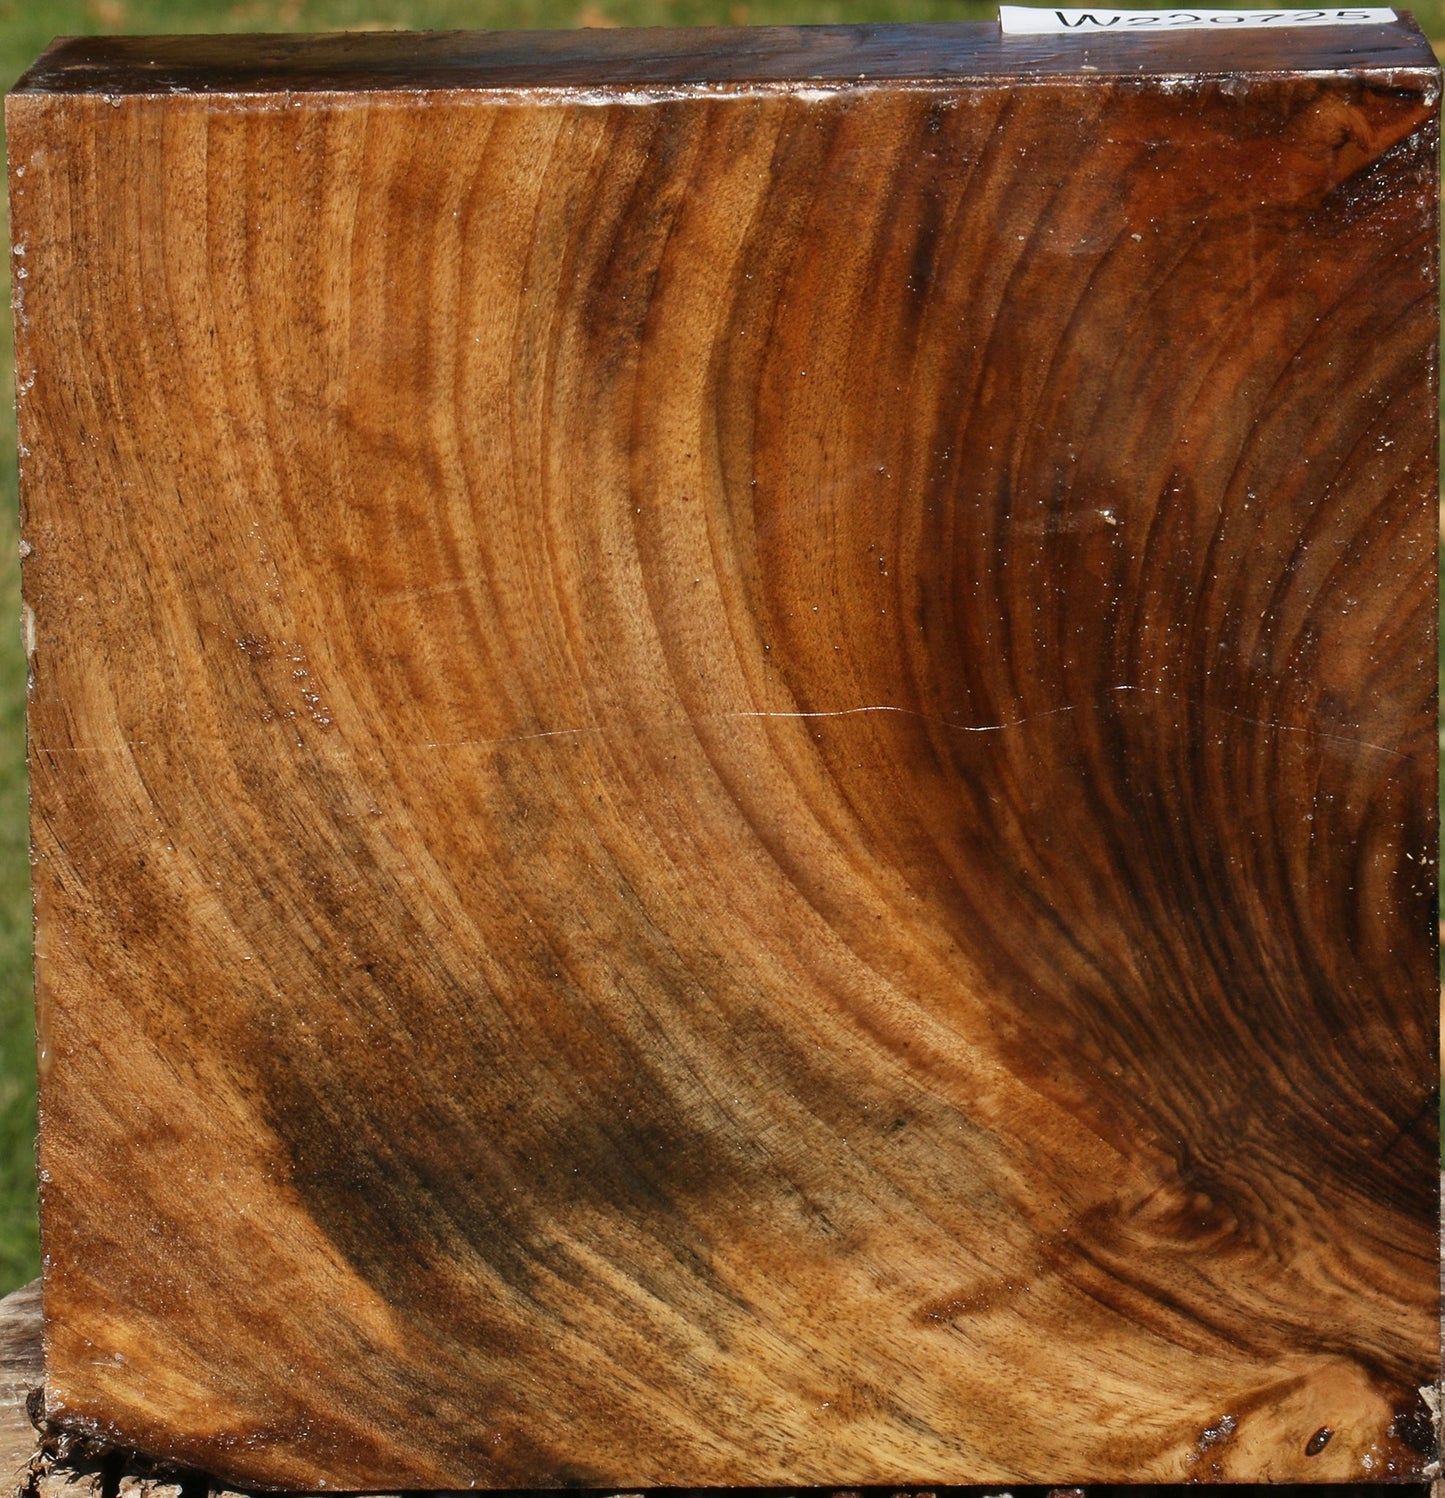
x=733, y=779
x=43, y=1473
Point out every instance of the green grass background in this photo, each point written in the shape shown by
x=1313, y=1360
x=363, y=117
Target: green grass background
x=25, y=27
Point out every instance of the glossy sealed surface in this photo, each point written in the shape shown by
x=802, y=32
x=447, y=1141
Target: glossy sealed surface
x=736, y=788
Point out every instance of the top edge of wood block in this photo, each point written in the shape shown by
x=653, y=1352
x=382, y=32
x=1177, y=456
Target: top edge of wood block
x=662, y=58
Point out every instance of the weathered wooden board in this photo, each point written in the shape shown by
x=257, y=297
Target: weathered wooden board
x=20, y=1376
x=732, y=739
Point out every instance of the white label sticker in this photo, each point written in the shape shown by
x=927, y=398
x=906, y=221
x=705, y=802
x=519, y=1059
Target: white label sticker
x=1022, y=20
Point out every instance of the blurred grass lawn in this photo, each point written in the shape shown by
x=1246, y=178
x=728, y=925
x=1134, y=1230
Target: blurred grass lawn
x=25, y=27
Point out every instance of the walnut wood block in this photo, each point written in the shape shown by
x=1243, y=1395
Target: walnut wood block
x=732, y=739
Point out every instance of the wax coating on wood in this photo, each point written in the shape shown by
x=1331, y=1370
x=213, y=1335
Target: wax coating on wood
x=735, y=784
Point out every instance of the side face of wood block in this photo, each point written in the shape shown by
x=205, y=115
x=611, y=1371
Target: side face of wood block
x=733, y=765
